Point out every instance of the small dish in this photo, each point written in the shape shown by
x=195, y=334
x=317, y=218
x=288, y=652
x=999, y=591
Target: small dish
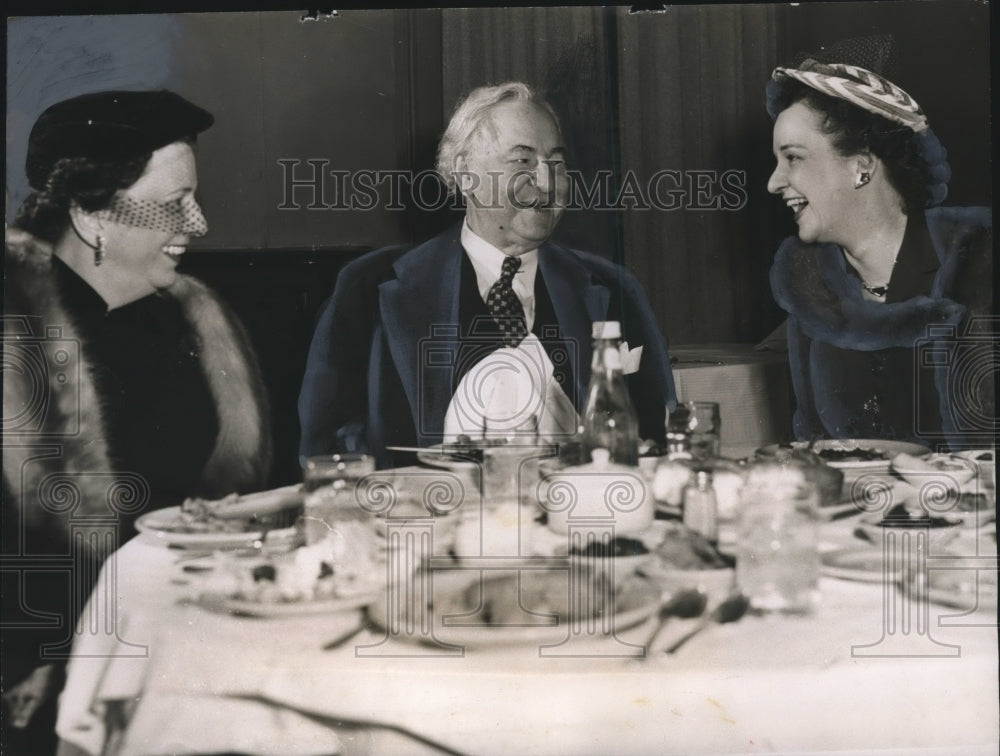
x=946, y=471
x=941, y=530
x=985, y=462
x=627, y=557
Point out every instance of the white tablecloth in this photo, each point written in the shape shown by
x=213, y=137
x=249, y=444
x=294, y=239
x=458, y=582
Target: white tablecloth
x=202, y=681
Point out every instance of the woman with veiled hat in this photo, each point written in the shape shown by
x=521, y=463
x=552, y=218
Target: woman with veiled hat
x=127, y=386
x=886, y=293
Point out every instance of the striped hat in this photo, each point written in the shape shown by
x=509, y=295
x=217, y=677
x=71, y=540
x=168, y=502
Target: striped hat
x=859, y=71
x=861, y=87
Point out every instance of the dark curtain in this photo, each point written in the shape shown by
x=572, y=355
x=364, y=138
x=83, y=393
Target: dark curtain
x=691, y=86
x=679, y=95
x=679, y=91
x=562, y=53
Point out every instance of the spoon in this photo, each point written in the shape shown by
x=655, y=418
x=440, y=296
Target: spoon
x=729, y=610
x=340, y=640
x=687, y=603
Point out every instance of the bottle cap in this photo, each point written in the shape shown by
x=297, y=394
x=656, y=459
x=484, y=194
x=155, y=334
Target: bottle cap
x=607, y=329
x=600, y=457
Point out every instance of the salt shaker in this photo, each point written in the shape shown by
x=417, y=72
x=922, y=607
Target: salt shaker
x=701, y=513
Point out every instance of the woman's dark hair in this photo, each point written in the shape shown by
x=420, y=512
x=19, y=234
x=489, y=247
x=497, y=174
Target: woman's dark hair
x=90, y=184
x=853, y=130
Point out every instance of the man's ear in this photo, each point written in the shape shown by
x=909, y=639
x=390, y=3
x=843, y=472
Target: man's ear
x=88, y=226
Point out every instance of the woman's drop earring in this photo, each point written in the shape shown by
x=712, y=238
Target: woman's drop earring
x=862, y=179
x=99, y=250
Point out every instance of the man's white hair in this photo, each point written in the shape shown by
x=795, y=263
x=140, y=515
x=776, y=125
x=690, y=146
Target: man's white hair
x=467, y=121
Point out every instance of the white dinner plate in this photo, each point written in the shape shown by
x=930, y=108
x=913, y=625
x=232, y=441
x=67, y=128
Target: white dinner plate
x=165, y=527
x=939, y=536
x=639, y=600
x=278, y=609
x=865, y=565
x=943, y=471
x=886, y=449
x=962, y=587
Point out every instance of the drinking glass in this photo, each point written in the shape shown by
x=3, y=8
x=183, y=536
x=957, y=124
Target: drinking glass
x=329, y=484
x=704, y=425
x=777, y=562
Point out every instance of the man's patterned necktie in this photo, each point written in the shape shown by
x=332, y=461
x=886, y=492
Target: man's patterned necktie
x=504, y=305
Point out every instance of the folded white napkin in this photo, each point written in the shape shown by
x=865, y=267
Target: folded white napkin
x=511, y=393
x=630, y=358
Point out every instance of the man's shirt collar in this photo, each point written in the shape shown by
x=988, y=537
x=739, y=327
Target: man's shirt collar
x=487, y=261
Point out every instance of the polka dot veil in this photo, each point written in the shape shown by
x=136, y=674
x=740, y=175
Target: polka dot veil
x=181, y=216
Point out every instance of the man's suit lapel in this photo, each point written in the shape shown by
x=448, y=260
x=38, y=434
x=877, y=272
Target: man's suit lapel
x=577, y=302
x=420, y=312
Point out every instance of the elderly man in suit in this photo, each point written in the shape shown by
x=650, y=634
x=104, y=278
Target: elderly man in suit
x=404, y=326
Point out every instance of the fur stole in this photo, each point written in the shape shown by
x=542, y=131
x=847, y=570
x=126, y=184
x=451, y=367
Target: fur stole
x=812, y=284
x=241, y=459
x=55, y=451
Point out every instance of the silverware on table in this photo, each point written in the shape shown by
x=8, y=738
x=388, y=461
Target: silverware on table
x=685, y=604
x=443, y=450
x=840, y=512
x=730, y=610
x=365, y=624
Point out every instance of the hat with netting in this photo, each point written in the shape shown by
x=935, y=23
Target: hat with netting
x=858, y=71
x=110, y=126
x=855, y=70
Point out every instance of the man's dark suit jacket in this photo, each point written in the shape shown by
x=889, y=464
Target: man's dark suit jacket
x=385, y=356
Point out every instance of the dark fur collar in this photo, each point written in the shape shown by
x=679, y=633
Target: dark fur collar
x=811, y=282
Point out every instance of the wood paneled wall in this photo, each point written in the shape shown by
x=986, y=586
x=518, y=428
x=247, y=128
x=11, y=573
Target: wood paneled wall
x=676, y=95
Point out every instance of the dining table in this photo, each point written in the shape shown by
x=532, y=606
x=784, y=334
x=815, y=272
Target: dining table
x=157, y=668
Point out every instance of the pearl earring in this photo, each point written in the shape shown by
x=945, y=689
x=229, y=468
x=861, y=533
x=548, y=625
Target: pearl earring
x=862, y=179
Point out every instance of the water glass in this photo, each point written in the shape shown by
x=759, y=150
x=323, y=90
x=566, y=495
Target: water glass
x=705, y=425
x=329, y=482
x=510, y=473
x=777, y=562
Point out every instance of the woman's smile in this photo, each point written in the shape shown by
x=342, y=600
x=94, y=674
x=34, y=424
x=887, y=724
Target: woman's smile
x=815, y=181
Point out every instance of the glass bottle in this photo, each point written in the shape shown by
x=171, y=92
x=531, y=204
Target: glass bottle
x=701, y=512
x=609, y=419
